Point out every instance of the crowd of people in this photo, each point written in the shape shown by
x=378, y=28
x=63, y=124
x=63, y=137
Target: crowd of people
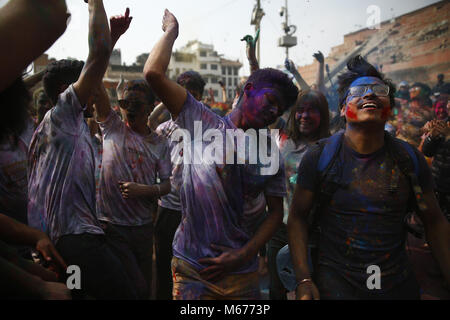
x=362, y=167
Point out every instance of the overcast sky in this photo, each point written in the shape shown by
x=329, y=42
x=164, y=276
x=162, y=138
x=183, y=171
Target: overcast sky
x=321, y=24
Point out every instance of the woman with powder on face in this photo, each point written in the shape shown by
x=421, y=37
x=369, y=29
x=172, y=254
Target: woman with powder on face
x=308, y=122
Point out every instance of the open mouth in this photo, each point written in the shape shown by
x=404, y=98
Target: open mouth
x=369, y=106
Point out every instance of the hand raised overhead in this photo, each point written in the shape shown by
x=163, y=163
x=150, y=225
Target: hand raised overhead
x=120, y=24
x=319, y=57
x=170, y=23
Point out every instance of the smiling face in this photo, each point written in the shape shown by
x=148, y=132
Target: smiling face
x=367, y=101
x=308, y=119
x=261, y=106
x=440, y=110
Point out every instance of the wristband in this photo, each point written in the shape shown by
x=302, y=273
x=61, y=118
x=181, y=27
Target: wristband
x=302, y=282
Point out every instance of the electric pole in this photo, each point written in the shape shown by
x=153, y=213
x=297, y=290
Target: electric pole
x=288, y=40
x=257, y=15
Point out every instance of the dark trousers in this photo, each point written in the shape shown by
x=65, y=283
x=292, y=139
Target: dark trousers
x=103, y=275
x=166, y=226
x=278, y=241
x=333, y=286
x=134, y=246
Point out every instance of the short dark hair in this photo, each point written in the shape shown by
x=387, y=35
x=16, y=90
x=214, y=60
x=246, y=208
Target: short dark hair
x=358, y=67
x=59, y=73
x=15, y=105
x=192, y=81
x=278, y=79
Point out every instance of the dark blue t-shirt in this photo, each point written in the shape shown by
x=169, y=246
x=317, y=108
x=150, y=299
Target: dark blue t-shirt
x=364, y=223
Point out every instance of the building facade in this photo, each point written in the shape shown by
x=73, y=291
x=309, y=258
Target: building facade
x=202, y=58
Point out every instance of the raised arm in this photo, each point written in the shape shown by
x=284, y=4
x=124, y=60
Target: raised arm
x=224, y=91
x=119, y=25
x=171, y=94
x=251, y=51
x=99, y=52
x=27, y=29
x=290, y=66
x=321, y=72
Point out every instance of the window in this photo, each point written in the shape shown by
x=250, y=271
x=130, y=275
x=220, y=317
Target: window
x=235, y=82
x=213, y=80
x=230, y=94
x=202, y=53
x=229, y=71
x=214, y=67
x=216, y=93
x=230, y=82
x=235, y=71
x=203, y=66
x=224, y=71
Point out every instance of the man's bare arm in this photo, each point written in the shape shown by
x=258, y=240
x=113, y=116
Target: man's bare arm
x=302, y=203
x=171, y=94
x=119, y=25
x=437, y=230
x=99, y=52
x=27, y=29
x=14, y=232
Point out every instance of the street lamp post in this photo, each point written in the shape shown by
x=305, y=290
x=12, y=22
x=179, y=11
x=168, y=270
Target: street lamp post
x=288, y=40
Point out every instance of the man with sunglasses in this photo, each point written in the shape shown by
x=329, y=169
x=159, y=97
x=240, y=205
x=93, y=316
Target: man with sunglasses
x=134, y=157
x=362, y=223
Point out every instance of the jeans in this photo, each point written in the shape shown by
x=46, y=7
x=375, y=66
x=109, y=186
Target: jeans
x=165, y=228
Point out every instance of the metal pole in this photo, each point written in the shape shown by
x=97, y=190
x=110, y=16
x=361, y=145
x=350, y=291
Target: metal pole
x=287, y=24
x=258, y=27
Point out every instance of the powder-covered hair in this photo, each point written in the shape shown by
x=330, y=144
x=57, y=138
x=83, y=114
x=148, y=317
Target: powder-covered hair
x=278, y=79
x=358, y=67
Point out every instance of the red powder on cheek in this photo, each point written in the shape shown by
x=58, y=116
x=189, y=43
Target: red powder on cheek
x=350, y=114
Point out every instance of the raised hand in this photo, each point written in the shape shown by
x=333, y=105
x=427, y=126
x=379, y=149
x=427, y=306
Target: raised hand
x=119, y=25
x=170, y=23
x=319, y=57
x=251, y=51
x=290, y=66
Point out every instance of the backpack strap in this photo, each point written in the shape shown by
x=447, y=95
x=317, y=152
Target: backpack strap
x=408, y=163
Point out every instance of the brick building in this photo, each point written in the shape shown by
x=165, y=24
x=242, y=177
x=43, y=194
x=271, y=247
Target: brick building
x=412, y=47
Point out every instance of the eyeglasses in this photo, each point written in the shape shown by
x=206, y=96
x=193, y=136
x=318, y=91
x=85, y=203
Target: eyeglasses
x=380, y=90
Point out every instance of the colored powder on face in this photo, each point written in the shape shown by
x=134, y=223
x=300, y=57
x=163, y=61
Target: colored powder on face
x=350, y=114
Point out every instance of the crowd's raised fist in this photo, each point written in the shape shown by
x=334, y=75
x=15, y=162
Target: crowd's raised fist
x=120, y=24
x=319, y=57
x=170, y=23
